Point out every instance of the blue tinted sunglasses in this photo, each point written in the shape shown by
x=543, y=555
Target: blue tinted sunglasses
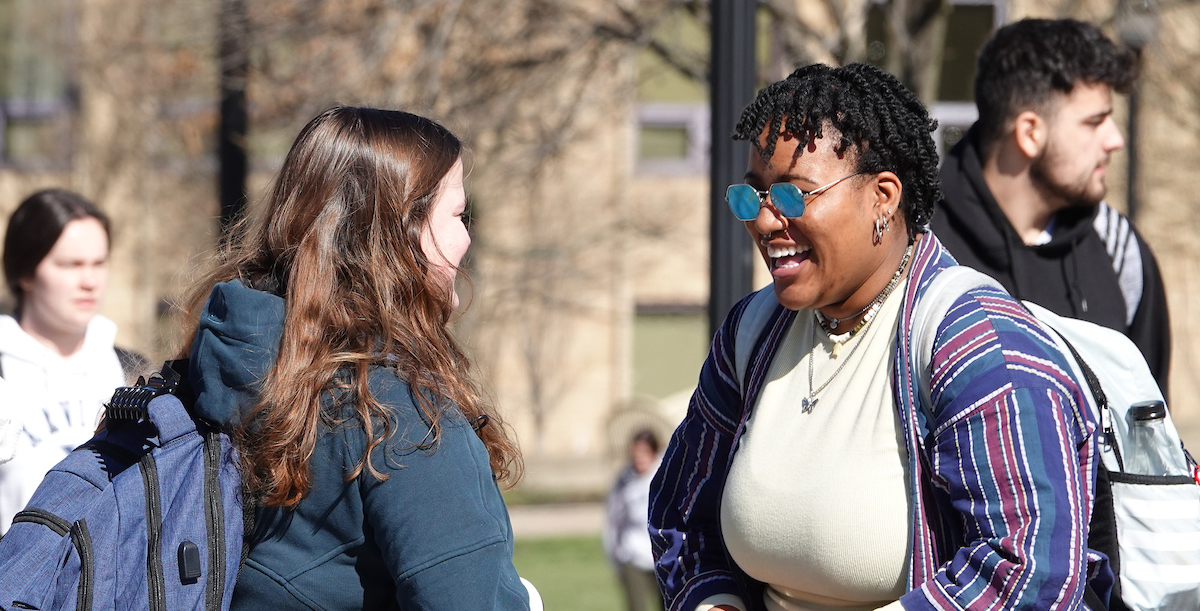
x=787, y=198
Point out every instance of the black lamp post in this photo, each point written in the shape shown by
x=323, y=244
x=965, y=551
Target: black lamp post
x=1137, y=23
x=732, y=84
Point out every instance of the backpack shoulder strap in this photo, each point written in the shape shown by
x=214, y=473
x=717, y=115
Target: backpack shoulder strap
x=1062, y=331
x=159, y=400
x=946, y=288
x=751, y=327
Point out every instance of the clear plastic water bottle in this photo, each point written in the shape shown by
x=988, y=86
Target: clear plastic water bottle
x=1151, y=451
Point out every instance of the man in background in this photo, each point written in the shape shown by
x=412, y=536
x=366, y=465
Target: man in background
x=1025, y=188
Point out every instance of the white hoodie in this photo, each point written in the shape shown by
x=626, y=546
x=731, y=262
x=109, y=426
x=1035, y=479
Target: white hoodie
x=54, y=402
x=8, y=424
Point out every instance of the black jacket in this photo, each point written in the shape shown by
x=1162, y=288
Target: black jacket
x=1095, y=267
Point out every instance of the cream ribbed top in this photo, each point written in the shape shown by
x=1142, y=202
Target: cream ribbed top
x=817, y=505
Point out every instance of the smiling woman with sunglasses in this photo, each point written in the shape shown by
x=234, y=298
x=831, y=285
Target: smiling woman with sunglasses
x=820, y=464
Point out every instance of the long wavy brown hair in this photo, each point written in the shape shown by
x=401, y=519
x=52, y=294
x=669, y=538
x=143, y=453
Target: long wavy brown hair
x=339, y=238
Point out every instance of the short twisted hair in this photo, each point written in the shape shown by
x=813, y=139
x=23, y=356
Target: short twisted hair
x=1028, y=63
x=887, y=126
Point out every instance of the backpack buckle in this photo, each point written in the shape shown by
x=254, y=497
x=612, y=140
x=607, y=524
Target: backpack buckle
x=131, y=403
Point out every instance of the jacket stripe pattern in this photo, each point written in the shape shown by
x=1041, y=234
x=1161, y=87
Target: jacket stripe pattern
x=1122, y=246
x=1002, y=460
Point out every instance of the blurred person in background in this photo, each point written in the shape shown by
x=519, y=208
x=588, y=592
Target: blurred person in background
x=56, y=352
x=8, y=424
x=626, y=538
x=321, y=339
x=1025, y=187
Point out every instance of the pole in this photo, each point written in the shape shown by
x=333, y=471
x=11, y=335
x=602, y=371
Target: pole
x=732, y=84
x=1131, y=146
x=232, y=163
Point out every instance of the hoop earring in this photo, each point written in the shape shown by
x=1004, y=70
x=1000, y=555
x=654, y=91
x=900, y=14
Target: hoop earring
x=878, y=237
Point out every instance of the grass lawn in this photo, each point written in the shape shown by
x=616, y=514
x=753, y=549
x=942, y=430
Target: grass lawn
x=571, y=573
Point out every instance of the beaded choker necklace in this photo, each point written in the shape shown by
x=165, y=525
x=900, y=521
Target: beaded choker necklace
x=830, y=323
x=871, y=309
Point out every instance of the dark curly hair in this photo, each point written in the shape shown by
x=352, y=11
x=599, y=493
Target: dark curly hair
x=1028, y=63
x=874, y=113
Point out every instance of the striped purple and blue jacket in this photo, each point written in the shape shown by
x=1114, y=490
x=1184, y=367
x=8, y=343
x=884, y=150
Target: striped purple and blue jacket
x=1002, y=462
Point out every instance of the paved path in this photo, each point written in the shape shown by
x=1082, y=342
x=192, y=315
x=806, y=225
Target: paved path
x=557, y=520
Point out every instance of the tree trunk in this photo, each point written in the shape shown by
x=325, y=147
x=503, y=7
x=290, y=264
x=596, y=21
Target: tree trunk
x=233, y=33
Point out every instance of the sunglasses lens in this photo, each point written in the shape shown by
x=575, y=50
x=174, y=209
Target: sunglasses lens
x=787, y=199
x=743, y=201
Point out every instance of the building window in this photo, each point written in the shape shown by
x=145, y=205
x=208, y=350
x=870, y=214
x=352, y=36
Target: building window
x=35, y=133
x=971, y=24
x=670, y=342
x=672, y=138
x=35, y=91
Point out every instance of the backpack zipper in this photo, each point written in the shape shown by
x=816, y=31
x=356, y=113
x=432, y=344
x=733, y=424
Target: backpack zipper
x=40, y=516
x=83, y=546
x=155, y=586
x=215, y=514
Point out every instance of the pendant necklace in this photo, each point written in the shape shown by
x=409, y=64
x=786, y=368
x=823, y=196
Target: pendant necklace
x=808, y=403
x=871, y=309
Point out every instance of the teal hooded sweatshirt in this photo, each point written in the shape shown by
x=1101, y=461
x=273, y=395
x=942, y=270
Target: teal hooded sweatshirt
x=433, y=535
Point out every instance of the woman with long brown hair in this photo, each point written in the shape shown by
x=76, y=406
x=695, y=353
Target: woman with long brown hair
x=321, y=339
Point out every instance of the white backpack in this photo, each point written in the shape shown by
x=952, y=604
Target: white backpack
x=1157, y=517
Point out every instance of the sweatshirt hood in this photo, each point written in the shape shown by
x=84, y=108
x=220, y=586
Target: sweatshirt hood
x=979, y=218
x=17, y=344
x=236, y=344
